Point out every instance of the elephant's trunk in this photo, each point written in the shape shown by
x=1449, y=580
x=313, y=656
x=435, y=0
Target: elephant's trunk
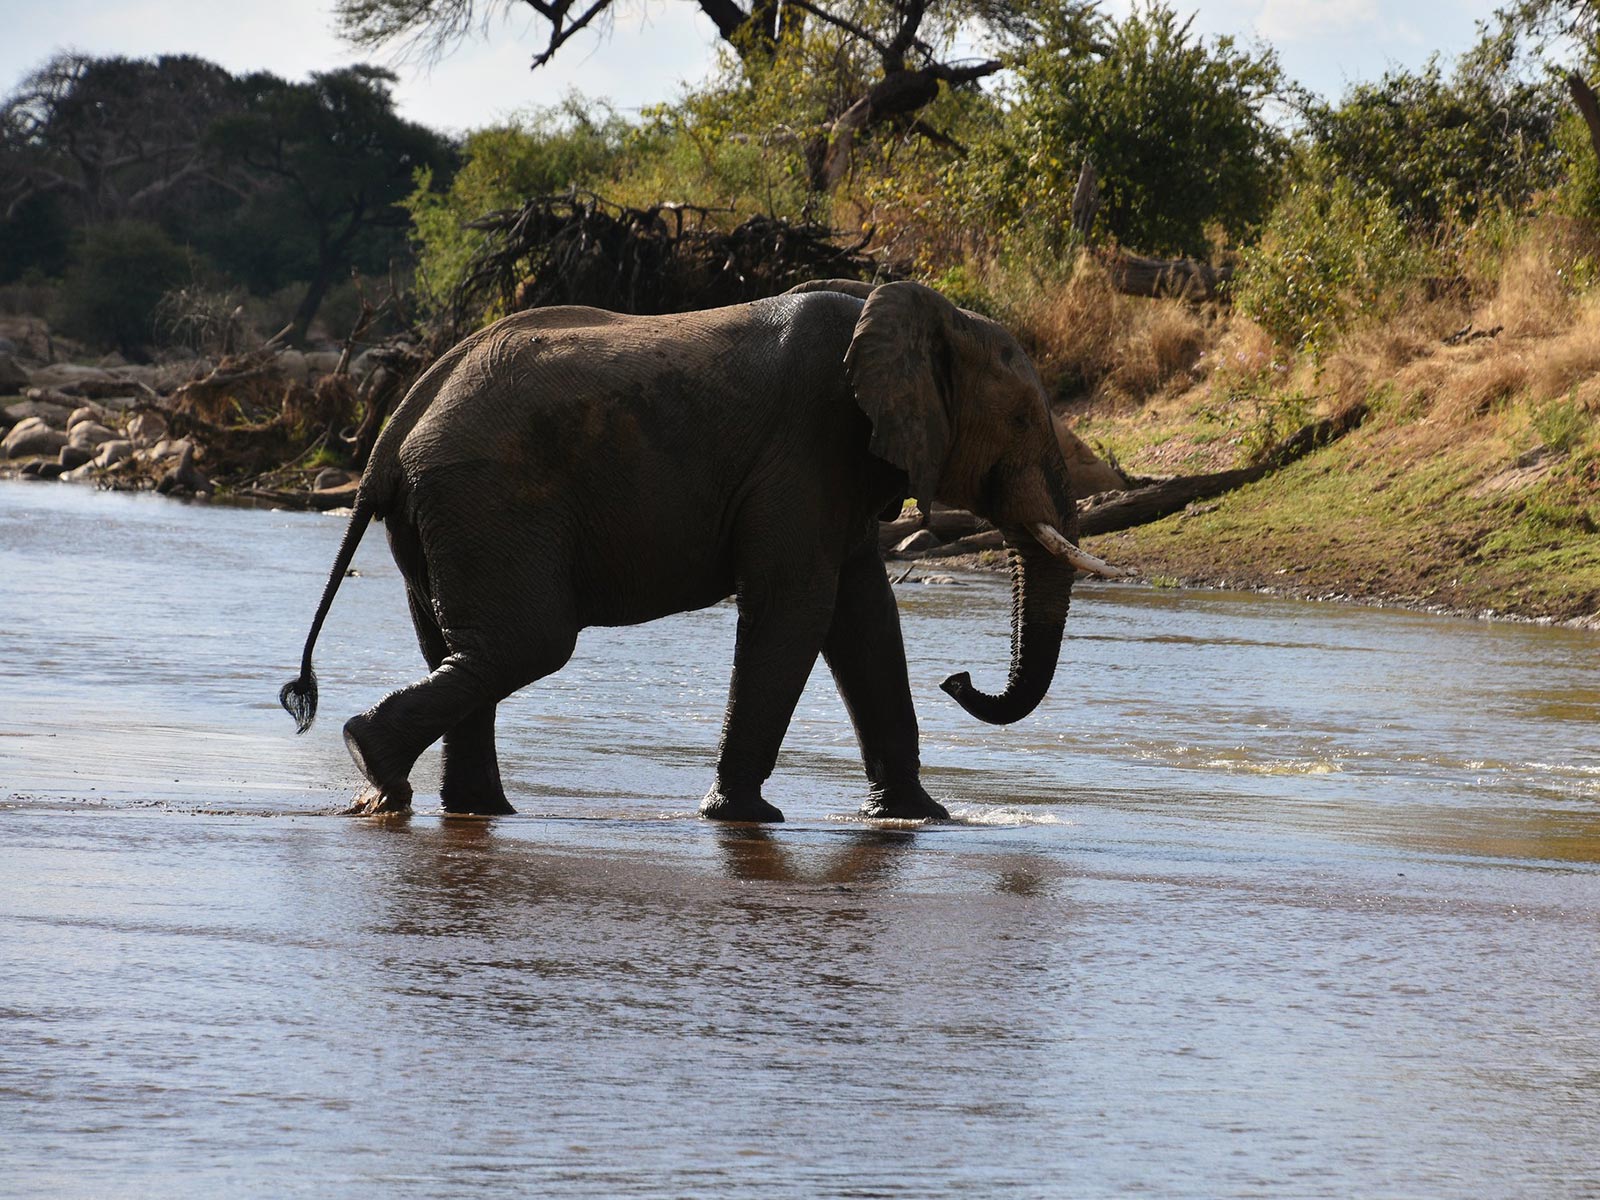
x=1041, y=591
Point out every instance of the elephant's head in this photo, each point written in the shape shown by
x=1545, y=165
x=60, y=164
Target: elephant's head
x=955, y=403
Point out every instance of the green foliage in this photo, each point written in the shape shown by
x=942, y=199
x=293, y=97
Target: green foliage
x=117, y=277
x=1561, y=424
x=1175, y=128
x=1329, y=256
x=754, y=138
x=577, y=144
x=1444, y=150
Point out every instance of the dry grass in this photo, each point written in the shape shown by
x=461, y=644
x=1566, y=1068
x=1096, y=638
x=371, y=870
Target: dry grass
x=1091, y=342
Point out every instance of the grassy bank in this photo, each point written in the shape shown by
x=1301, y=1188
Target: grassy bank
x=1473, y=485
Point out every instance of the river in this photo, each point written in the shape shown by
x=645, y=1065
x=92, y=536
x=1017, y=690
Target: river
x=1267, y=899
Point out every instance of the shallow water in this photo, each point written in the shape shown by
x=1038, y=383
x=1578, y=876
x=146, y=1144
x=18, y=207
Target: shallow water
x=1268, y=899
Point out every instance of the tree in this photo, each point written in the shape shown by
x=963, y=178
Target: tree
x=111, y=138
x=909, y=42
x=117, y=278
x=1174, y=126
x=1442, y=149
x=326, y=163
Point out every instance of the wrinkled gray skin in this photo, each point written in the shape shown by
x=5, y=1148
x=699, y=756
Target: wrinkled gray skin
x=570, y=467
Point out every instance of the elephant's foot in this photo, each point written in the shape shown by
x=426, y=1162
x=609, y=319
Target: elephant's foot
x=391, y=790
x=907, y=802
x=737, y=804
x=475, y=802
x=377, y=802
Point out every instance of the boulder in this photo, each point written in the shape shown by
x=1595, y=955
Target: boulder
x=13, y=376
x=185, y=477
x=111, y=453
x=49, y=411
x=291, y=364
x=74, y=456
x=81, y=414
x=323, y=362
x=64, y=376
x=91, y=433
x=147, y=428
x=332, y=477
x=26, y=337
x=42, y=468
x=166, y=448
x=31, y=436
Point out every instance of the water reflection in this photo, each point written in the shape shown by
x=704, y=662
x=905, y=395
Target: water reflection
x=866, y=857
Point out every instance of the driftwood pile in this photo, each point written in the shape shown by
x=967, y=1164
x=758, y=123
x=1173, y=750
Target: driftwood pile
x=581, y=249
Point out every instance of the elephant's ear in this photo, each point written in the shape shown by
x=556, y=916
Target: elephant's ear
x=850, y=287
x=901, y=365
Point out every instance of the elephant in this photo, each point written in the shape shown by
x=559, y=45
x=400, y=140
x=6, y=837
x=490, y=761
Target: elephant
x=568, y=467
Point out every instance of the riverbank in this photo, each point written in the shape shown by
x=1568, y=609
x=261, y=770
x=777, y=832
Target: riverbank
x=1471, y=485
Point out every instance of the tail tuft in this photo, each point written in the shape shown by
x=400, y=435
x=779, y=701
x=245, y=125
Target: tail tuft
x=299, y=699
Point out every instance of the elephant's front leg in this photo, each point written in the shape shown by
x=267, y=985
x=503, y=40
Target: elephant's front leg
x=868, y=660
x=471, y=779
x=780, y=635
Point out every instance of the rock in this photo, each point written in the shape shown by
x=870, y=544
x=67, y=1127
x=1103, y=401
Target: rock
x=292, y=365
x=147, y=428
x=26, y=337
x=111, y=453
x=322, y=362
x=42, y=468
x=31, y=436
x=919, y=541
x=13, y=376
x=74, y=456
x=81, y=414
x=367, y=362
x=80, y=473
x=167, y=448
x=90, y=433
x=185, y=477
x=51, y=413
x=331, y=477
x=64, y=376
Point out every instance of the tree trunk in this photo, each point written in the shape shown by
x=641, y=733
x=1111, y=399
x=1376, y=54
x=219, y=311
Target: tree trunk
x=1583, y=96
x=1180, y=278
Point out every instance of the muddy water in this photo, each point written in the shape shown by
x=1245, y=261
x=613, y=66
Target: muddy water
x=1268, y=899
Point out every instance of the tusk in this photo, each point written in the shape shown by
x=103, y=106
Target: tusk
x=1052, y=540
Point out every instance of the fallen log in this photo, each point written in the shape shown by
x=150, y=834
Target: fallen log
x=1177, y=278
x=1142, y=505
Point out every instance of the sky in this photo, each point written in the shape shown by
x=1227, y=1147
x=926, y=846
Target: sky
x=655, y=46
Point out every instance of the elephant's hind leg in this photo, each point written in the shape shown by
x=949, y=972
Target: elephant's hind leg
x=388, y=738
x=471, y=783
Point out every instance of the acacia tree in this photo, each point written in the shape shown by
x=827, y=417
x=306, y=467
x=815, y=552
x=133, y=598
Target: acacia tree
x=111, y=138
x=908, y=40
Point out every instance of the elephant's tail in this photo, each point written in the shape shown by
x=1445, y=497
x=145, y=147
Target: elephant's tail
x=299, y=695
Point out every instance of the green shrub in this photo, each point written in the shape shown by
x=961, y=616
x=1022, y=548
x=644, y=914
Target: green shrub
x=1329, y=256
x=114, y=285
x=1444, y=150
x=1173, y=124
